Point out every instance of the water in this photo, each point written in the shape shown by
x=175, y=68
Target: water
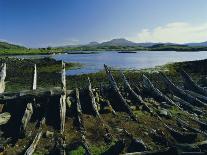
x=140, y=60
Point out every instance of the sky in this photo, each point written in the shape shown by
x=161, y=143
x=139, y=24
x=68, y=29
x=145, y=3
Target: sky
x=42, y=23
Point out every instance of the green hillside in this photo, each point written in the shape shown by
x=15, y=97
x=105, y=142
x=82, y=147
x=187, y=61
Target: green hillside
x=5, y=45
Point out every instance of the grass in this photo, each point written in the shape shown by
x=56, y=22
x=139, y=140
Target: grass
x=27, y=51
x=19, y=76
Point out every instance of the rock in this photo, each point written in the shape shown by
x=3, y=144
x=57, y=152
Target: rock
x=4, y=118
x=118, y=129
x=49, y=134
x=164, y=113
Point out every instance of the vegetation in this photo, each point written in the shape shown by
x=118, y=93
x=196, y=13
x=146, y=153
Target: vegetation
x=5, y=45
x=10, y=49
x=19, y=76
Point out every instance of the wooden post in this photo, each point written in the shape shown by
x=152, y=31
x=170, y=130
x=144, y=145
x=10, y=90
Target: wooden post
x=118, y=94
x=181, y=93
x=63, y=100
x=2, y=78
x=135, y=96
x=92, y=99
x=26, y=118
x=33, y=146
x=34, y=85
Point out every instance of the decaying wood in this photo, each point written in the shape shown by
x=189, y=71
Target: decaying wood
x=34, y=84
x=198, y=96
x=1, y=108
x=32, y=93
x=63, y=100
x=194, y=148
x=203, y=125
x=181, y=93
x=166, y=151
x=85, y=145
x=34, y=144
x=191, y=85
x=187, y=126
x=156, y=93
x=4, y=118
x=138, y=99
x=79, y=122
x=26, y=118
x=117, y=93
x=187, y=106
x=102, y=94
x=182, y=137
x=92, y=100
x=116, y=149
x=78, y=114
x=2, y=78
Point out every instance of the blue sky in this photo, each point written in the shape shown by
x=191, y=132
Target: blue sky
x=40, y=23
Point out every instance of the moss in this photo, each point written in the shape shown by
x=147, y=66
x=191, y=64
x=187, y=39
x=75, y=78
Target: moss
x=79, y=151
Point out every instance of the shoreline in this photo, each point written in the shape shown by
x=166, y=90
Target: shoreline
x=79, y=51
x=49, y=72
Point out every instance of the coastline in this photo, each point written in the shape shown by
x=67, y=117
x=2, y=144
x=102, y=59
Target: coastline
x=20, y=70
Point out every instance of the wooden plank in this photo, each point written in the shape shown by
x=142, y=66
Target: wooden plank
x=63, y=100
x=191, y=85
x=138, y=98
x=34, y=144
x=92, y=100
x=118, y=94
x=181, y=93
x=26, y=118
x=2, y=78
x=34, y=84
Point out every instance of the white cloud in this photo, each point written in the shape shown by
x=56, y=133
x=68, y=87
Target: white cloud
x=177, y=32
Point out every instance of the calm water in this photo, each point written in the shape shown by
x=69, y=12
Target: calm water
x=140, y=60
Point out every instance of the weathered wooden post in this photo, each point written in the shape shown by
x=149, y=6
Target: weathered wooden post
x=63, y=99
x=2, y=77
x=118, y=94
x=92, y=99
x=61, y=140
x=33, y=146
x=26, y=118
x=34, y=85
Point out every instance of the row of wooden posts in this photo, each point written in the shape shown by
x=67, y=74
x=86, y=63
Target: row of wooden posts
x=183, y=97
x=29, y=108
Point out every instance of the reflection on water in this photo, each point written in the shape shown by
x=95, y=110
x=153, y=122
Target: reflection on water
x=140, y=60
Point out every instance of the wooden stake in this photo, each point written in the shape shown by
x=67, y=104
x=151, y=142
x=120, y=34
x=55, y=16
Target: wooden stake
x=2, y=78
x=63, y=100
x=33, y=146
x=34, y=85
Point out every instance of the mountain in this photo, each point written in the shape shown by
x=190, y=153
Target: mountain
x=94, y=43
x=202, y=44
x=118, y=42
x=5, y=45
x=125, y=42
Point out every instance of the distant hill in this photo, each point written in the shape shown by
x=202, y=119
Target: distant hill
x=5, y=45
x=202, y=44
x=125, y=42
x=94, y=43
x=118, y=42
